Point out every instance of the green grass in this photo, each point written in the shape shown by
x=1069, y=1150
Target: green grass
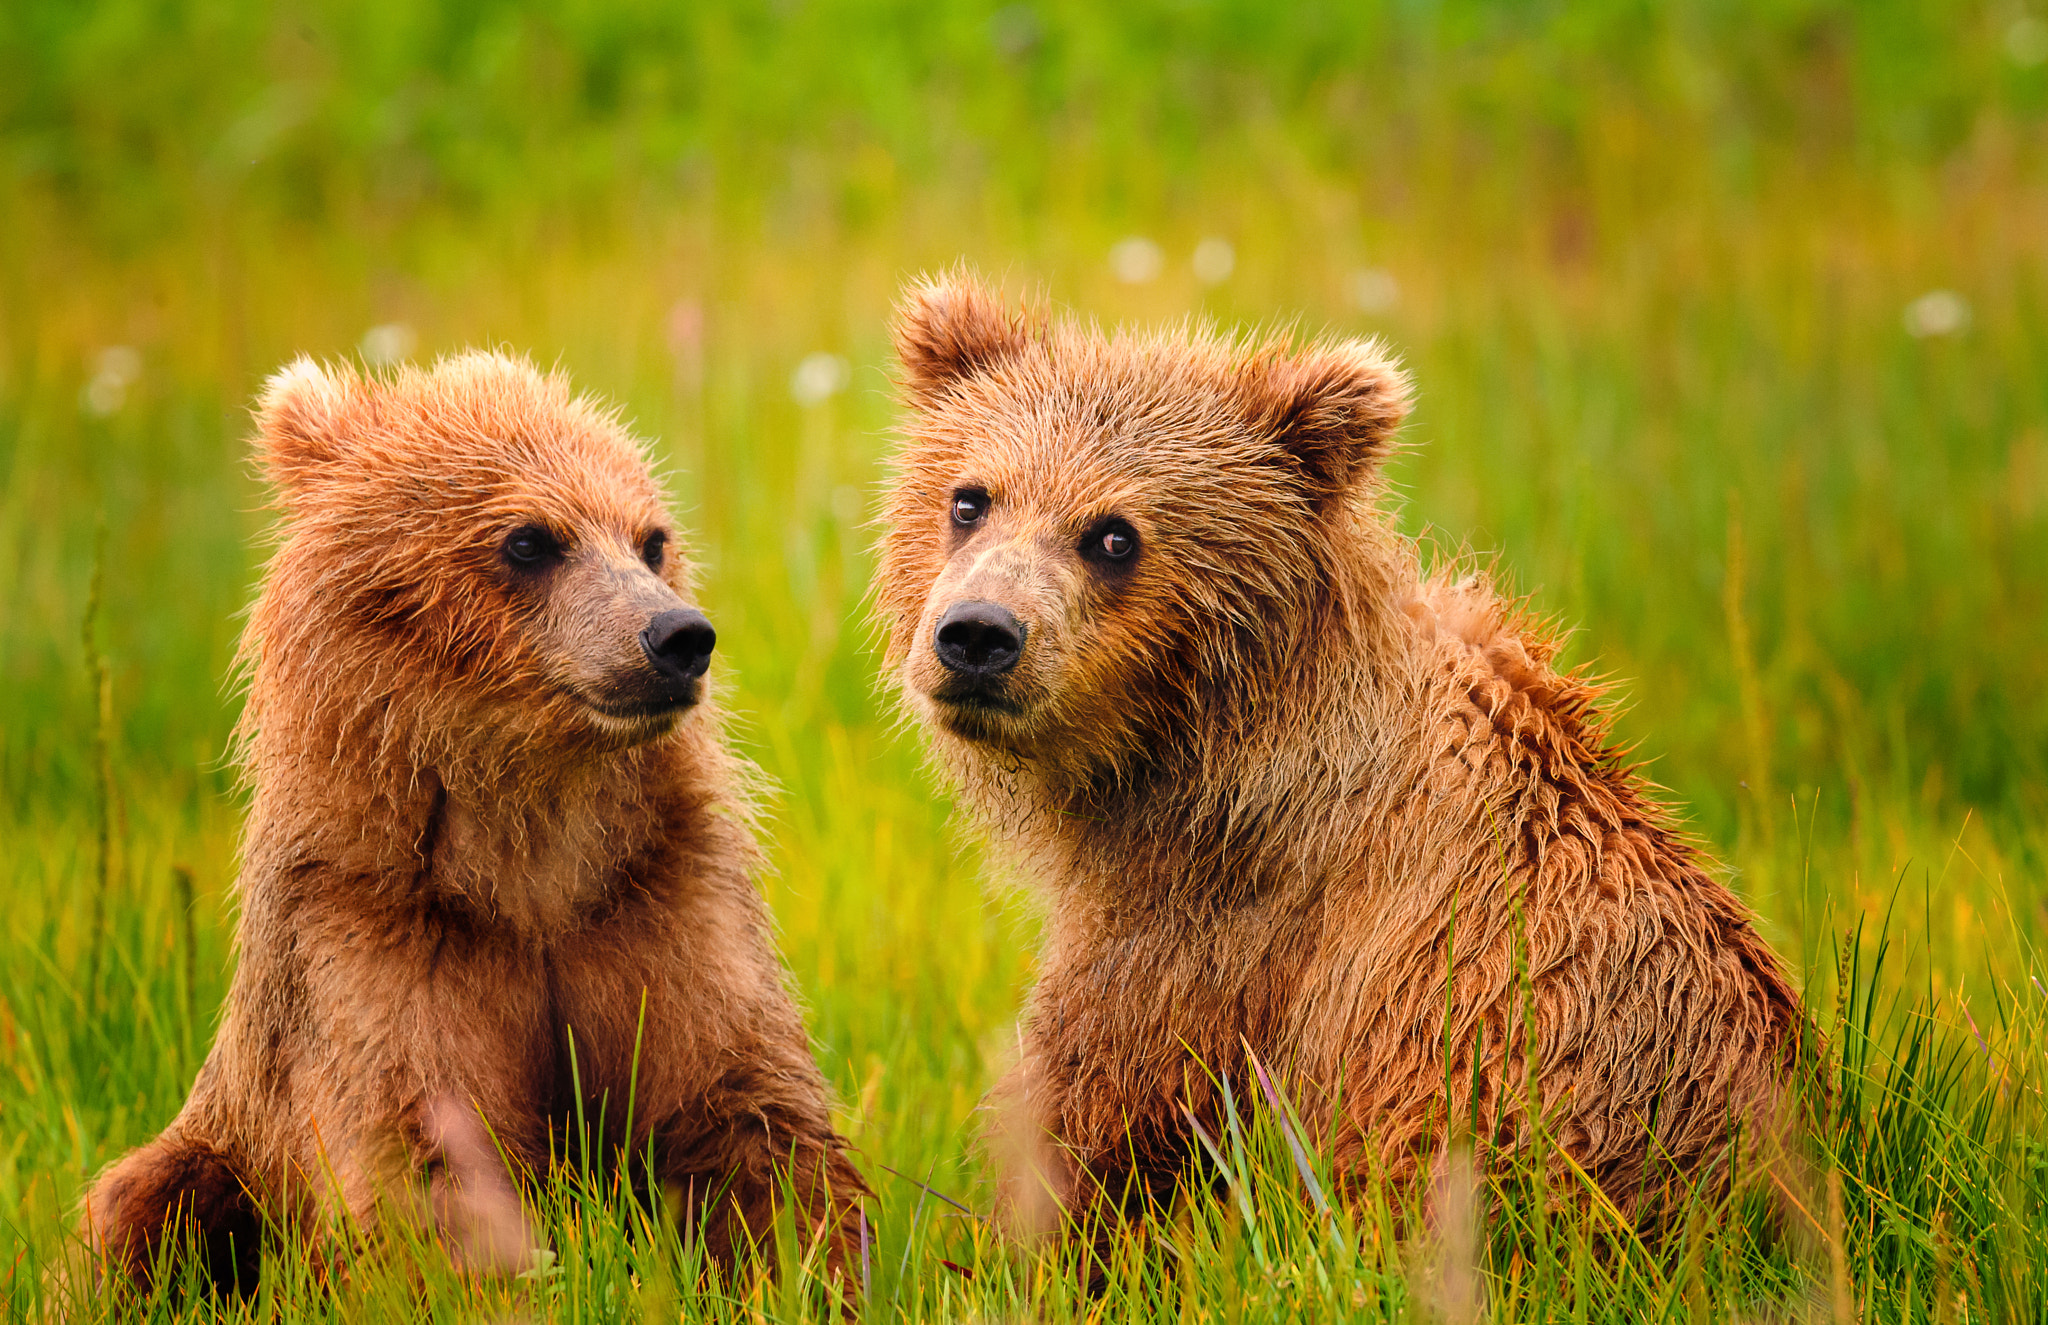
x=1652, y=266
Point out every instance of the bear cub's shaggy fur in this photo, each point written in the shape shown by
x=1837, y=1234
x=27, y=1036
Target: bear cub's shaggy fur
x=1284, y=788
x=492, y=815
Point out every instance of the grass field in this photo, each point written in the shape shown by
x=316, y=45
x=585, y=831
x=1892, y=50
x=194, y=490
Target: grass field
x=1730, y=327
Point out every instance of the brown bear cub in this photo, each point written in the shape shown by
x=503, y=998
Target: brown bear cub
x=497, y=853
x=1284, y=789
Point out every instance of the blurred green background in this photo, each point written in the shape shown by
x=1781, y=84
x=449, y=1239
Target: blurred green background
x=1729, y=326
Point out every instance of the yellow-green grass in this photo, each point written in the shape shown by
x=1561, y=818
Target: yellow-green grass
x=1652, y=270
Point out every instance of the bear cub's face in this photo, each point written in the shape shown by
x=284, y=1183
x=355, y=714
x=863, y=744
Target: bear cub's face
x=1026, y=622
x=1089, y=535
x=493, y=541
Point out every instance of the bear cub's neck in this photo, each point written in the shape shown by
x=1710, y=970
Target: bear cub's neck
x=529, y=852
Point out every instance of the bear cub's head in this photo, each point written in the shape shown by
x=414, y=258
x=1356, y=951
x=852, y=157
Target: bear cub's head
x=1089, y=537
x=475, y=541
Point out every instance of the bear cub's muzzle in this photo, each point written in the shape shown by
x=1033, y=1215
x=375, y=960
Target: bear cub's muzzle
x=979, y=643
x=678, y=645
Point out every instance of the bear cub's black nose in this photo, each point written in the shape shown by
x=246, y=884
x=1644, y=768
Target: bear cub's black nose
x=679, y=643
x=979, y=639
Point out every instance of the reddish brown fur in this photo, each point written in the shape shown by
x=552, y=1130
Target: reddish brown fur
x=1285, y=789
x=453, y=861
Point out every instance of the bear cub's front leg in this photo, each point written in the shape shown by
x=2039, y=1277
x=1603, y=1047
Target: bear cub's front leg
x=174, y=1192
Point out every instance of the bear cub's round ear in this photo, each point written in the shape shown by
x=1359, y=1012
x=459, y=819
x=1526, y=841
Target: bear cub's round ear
x=299, y=420
x=950, y=327
x=1333, y=409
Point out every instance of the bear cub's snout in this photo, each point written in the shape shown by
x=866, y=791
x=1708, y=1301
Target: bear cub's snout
x=678, y=643
x=978, y=641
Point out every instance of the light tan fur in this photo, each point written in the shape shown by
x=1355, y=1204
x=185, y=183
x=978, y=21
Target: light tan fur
x=1283, y=788
x=470, y=841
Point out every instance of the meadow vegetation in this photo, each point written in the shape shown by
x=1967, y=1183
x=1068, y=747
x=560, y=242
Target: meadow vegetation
x=1730, y=330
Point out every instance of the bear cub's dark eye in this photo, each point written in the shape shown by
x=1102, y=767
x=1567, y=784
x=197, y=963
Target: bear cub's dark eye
x=654, y=549
x=1111, y=543
x=530, y=547
x=969, y=506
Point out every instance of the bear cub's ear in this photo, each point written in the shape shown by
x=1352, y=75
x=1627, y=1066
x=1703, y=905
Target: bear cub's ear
x=950, y=327
x=299, y=420
x=1332, y=408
